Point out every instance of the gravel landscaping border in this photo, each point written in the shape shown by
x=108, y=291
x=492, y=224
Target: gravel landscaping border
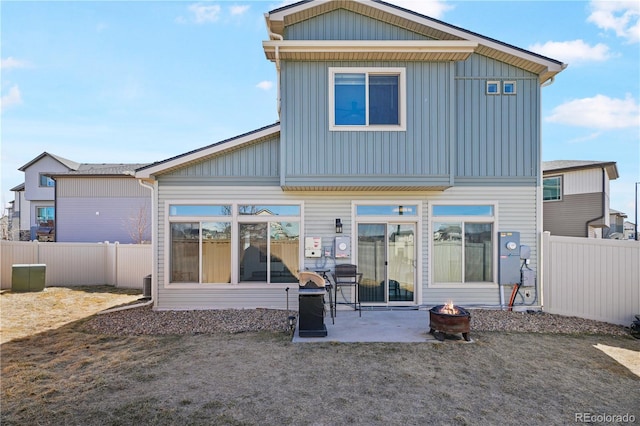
x=145, y=321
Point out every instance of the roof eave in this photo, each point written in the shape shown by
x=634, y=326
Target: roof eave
x=150, y=171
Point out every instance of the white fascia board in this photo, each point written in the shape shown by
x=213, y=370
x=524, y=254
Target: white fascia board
x=279, y=16
x=552, y=66
x=442, y=46
x=213, y=149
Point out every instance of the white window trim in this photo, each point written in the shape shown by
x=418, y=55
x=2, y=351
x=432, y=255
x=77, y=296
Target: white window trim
x=402, y=98
x=497, y=83
x=417, y=219
x=561, y=188
x=235, y=220
x=470, y=219
x=504, y=83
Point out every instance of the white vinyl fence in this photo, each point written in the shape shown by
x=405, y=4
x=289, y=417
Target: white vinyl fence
x=591, y=278
x=69, y=264
x=583, y=277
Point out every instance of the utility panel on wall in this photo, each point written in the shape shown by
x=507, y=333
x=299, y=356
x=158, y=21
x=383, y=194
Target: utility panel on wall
x=343, y=247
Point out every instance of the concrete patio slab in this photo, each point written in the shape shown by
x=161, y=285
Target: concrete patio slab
x=390, y=325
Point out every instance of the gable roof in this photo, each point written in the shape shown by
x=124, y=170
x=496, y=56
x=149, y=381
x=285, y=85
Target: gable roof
x=201, y=154
x=574, y=165
x=69, y=164
x=450, y=42
x=18, y=187
x=104, y=169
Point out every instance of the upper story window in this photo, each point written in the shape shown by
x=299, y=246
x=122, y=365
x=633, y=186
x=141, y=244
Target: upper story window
x=509, y=87
x=552, y=188
x=47, y=181
x=493, y=87
x=367, y=99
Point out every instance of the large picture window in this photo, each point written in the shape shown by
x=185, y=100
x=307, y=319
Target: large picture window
x=367, y=98
x=202, y=238
x=463, y=244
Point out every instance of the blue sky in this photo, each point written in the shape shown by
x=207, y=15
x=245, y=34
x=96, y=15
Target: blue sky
x=131, y=82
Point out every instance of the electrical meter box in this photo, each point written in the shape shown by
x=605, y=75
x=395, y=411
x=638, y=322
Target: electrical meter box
x=509, y=258
x=312, y=247
x=343, y=247
x=528, y=278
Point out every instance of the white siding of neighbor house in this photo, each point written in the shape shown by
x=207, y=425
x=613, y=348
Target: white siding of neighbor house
x=516, y=211
x=33, y=190
x=583, y=181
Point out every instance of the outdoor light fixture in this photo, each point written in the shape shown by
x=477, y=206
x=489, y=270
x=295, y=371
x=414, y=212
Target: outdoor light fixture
x=292, y=323
x=338, y=226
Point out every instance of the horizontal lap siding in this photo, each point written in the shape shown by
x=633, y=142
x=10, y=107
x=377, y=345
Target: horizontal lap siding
x=87, y=219
x=516, y=211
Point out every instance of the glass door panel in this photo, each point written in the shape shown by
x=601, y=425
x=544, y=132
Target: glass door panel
x=401, y=268
x=371, y=262
x=253, y=252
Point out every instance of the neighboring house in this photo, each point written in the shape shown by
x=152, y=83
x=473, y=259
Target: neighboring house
x=102, y=202
x=405, y=146
x=19, y=224
x=65, y=201
x=576, y=197
x=616, y=225
x=38, y=210
x=629, y=231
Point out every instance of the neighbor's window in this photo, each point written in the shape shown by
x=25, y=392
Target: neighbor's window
x=47, y=181
x=45, y=216
x=463, y=244
x=552, y=188
x=367, y=98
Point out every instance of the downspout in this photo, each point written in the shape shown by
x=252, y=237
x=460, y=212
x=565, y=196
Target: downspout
x=601, y=217
x=275, y=36
x=55, y=210
x=153, y=241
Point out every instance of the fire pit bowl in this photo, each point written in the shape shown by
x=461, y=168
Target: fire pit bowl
x=449, y=319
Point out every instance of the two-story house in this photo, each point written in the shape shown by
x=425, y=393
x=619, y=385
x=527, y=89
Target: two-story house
x=66, y=201
x=34, y=204
x=405, y=146
x=576, y=197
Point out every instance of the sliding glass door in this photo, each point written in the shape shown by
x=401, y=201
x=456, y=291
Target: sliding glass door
x=387, y=260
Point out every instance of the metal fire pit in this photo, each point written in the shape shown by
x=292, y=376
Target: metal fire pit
x=442, y=322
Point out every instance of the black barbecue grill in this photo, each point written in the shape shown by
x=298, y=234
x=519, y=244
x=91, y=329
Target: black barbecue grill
x=311, y=305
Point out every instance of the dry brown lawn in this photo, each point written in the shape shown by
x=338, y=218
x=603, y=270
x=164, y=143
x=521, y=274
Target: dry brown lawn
x=24, y=314
x=68, y=376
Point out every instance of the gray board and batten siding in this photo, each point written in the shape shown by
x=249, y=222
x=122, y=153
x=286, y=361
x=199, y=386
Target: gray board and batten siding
x=342, y=24
x=455, y=133
x=253, y=164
